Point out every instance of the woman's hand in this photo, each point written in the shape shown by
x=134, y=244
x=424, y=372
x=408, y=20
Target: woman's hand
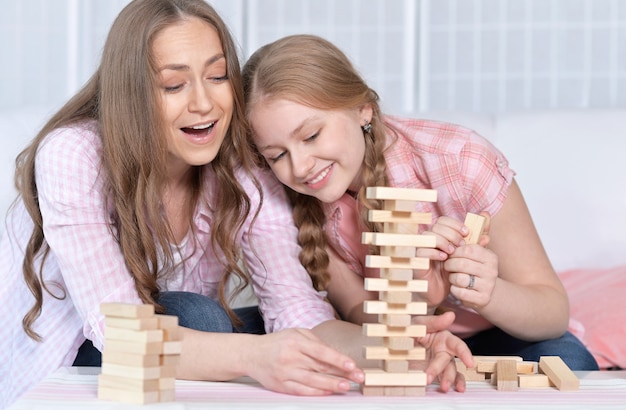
x=295, y=361
x=442, y=348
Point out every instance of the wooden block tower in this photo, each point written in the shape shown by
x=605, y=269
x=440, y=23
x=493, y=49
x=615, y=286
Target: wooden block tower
x=141, y=352
x=396, y=287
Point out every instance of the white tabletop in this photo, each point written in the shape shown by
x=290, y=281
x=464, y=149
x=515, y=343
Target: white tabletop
x=76, y=388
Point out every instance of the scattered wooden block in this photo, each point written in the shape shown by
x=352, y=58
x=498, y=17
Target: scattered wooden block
x=558, y=373
x=506, y=371
x=533, y=380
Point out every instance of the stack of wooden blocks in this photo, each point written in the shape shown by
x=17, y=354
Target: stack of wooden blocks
x=141, y=352
x=396, y=287
x=510, y=373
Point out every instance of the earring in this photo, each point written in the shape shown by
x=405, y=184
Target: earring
x=367, y=128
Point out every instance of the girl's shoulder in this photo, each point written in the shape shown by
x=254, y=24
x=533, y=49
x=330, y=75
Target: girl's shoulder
x=431, y=135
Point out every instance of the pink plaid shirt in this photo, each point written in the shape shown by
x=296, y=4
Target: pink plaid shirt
x=467, y=171
x=85, y=265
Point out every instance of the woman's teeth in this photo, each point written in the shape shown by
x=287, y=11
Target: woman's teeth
x=197, y=129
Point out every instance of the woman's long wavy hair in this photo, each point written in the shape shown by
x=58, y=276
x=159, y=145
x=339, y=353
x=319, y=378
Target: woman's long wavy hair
x=122, y=96
x=310, y=70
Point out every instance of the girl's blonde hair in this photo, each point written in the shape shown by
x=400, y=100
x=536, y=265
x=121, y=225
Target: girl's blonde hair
x=122, y=96
x=311, y=71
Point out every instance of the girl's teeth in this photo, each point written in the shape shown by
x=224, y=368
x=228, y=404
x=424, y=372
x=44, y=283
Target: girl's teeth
x=319, y=177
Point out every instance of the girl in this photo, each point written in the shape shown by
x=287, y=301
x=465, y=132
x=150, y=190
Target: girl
x=320, y=129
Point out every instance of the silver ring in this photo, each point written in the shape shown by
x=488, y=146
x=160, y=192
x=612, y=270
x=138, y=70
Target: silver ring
x=471, y=282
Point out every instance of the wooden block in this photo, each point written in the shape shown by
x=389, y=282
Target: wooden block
x=148, y=323
x=533, y=380
x=398, y=251
x=412, y=391
x=381, y=330
x=130, y=335
x=394, y=320
x=381, y=261
x=558, y=373
x=126, y=310
x=174, y=347
x=128, y=383
x=372, y=390
x=396, y=239
x=134, y=372
x=399, y=343
x=400, y=216
x=471, y=375
x=133, y=347
x=404, y=391
x=169, y=359
x=406, y=194
x=172, y=334
x=506, y=373
x=378, y=377
x=168, y=371
x=167, y=383
x=396, y=297
x=399, y=205
x=489, y=366
x=136, y=397
x=476, y=225
x=167, y=395
x=384, y=353
x=379, y=284
x=396, y=366
x=397, y=275
x=131, y=359
x=377, y=306
x=167, y=321
x=394, y=391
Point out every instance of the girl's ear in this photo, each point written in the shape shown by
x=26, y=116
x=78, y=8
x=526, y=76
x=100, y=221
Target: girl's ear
x=366, y=112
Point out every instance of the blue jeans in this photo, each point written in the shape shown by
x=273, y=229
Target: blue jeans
x=194, y=311
x=495, y=342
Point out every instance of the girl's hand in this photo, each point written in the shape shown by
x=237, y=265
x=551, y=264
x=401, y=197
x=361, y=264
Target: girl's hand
x=295, y=361
x=442, y=347
x=450, y=234
x=473, y=271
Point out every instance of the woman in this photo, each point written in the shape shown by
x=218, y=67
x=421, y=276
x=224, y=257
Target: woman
x=140, y=190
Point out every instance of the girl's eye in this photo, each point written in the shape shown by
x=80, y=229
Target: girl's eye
x=277, y=157
x=312, y=137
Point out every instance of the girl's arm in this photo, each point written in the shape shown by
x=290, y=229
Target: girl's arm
x=515, y=286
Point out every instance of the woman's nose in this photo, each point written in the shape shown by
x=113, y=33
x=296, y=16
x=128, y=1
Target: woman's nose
x=201, y=100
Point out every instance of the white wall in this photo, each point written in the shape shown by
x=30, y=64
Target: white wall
x=469, y=55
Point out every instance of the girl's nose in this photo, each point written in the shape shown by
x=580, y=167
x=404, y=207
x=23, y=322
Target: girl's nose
x=302, y=164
